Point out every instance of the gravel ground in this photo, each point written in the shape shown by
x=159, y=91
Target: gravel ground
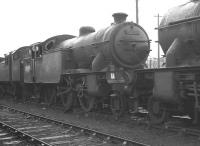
x=131, y=130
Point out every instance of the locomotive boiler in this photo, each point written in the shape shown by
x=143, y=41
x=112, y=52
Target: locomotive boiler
x=93, y=69
x=175, y=89
x=124, y=44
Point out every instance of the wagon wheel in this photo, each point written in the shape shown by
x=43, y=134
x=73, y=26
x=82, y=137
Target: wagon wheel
x=157, y=113
x=86, y=102
x=67, y=100
x=49, y=95
x=117, y=105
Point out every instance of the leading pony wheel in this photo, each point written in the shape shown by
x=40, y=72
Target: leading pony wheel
x=117, y=105
x=157, y=112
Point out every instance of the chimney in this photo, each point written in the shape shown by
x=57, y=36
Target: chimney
x=119, y=17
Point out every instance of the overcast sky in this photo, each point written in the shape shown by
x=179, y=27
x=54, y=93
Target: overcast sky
x=24, y=22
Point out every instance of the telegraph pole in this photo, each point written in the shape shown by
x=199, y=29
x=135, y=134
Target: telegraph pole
x=137, y=12
x=158, y=23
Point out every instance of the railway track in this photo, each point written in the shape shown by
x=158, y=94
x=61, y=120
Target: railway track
x=38, y=130
x=142, y=119
x=7, y=138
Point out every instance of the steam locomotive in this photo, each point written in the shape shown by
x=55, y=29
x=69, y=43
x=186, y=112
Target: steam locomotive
x=95, y=68
x=175, y=89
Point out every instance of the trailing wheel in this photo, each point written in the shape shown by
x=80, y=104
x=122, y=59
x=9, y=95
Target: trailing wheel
x=157, y=112
x=86, y=102
x=117, y=105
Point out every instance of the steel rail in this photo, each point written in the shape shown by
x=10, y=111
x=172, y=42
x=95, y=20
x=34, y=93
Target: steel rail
x=22, y=134
x=108, y=137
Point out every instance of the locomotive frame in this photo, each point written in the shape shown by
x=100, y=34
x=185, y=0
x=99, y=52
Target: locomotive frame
x=174, y=90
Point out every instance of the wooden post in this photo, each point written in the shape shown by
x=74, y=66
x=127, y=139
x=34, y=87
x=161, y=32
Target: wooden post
x=158, y=23
x=137, y=12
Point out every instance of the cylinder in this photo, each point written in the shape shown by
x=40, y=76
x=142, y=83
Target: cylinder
x=124, y=44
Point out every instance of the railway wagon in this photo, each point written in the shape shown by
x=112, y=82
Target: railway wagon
x=175, y=89
x=19, y=68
